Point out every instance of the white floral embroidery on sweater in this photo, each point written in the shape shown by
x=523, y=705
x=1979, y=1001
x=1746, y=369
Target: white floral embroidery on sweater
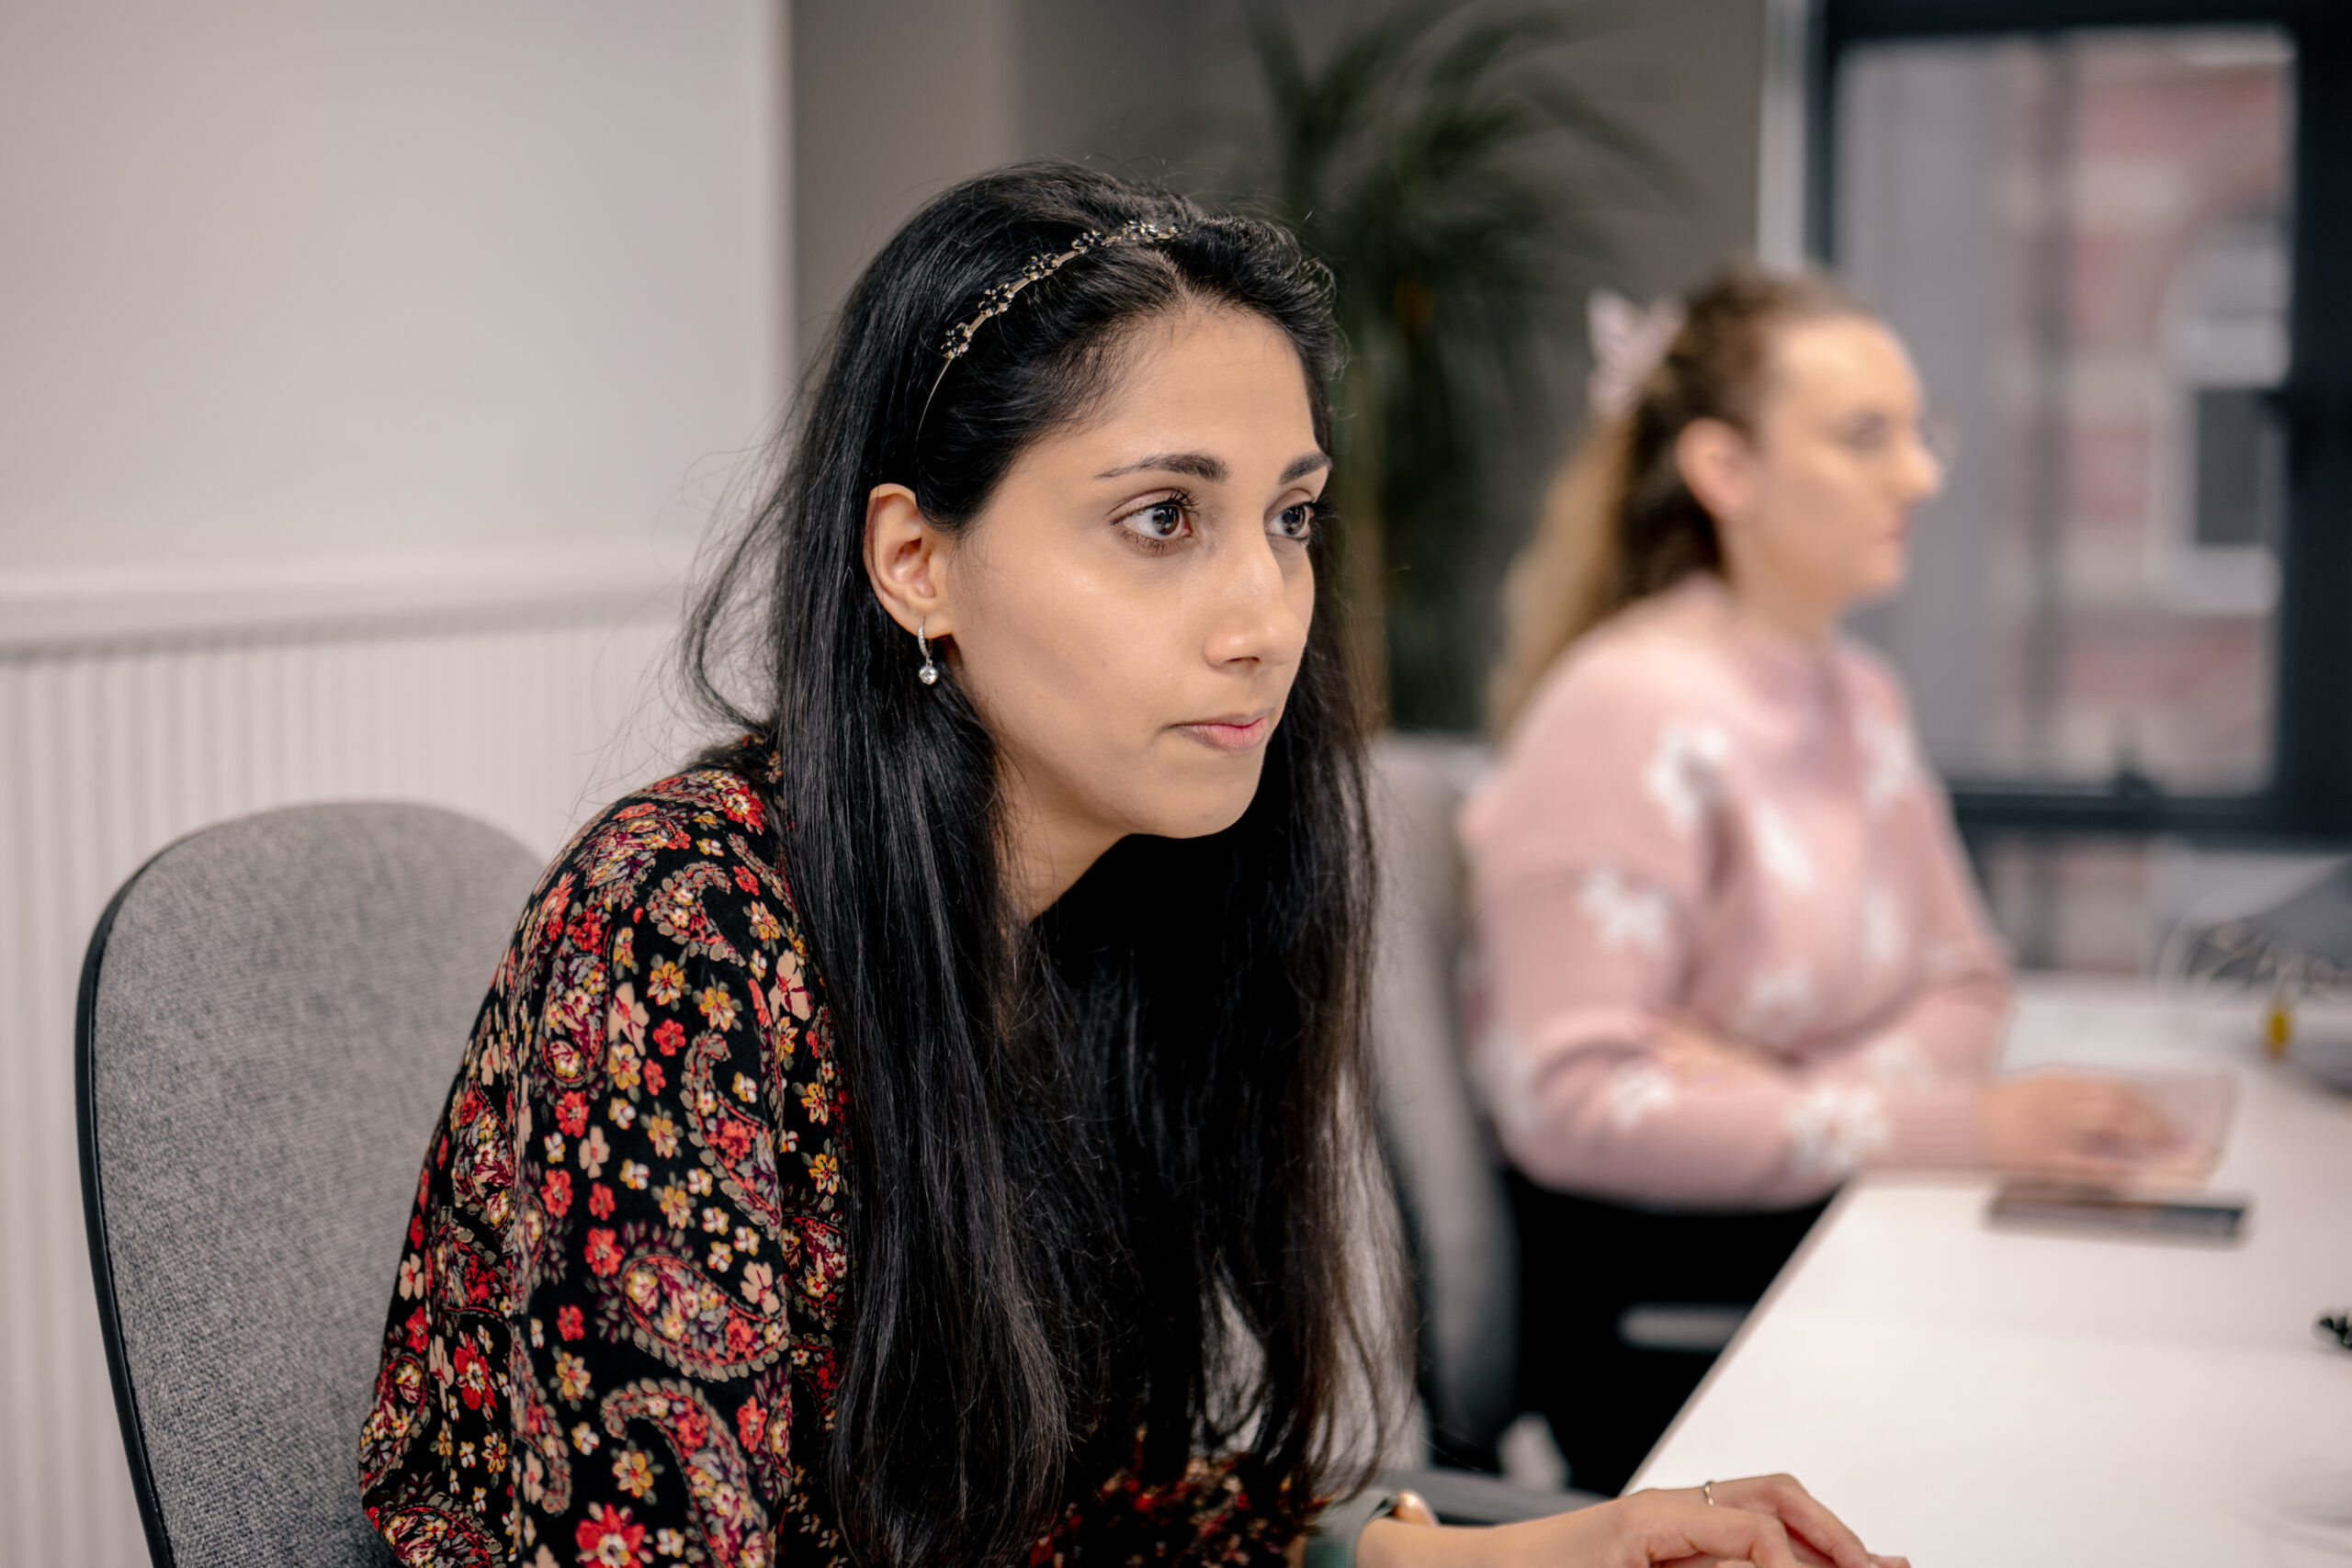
x=1780, y=849
x=1684, y=771
x=1897, y=1062
x=1833, y=1129
x=1777, y=1005
x=1636, y=1091
x=1624, y=916
x=1887, y=760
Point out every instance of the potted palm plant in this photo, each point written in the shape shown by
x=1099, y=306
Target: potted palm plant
x=1437, y=157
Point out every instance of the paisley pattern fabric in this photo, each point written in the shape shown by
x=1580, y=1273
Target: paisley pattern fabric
x=612, y=1337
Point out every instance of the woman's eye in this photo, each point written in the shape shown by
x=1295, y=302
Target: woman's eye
x=1867, y=436
x=1295, y=522
x=1160, y=522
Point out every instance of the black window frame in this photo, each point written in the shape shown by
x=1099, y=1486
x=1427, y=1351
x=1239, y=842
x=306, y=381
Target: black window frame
x=2308, y=799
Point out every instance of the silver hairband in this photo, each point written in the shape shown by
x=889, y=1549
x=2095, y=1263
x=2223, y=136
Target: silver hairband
x=999, y=296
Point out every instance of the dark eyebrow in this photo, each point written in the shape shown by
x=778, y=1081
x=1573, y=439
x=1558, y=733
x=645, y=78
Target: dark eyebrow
x=1199, y=465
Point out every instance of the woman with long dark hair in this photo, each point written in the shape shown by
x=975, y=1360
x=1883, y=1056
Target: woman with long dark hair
x=926, y=1130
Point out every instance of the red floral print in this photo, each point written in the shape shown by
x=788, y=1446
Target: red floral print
x=652, y=1016
x=471, y=1374
x=609, y=1536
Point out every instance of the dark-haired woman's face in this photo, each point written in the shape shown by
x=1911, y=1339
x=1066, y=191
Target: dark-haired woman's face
x=1128, y=611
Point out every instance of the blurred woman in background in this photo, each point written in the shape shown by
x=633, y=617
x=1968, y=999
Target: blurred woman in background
x=1732, y=950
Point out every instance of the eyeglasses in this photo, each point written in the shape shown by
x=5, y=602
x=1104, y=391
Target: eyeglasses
x=1874, y=438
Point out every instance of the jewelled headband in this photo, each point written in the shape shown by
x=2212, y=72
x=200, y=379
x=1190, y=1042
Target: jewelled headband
x=999, y=297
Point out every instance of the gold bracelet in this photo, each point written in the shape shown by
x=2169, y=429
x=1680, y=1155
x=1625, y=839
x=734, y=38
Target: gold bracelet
x=1332, y=1539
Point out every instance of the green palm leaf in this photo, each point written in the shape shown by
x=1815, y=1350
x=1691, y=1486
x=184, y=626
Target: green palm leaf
x=1425, y=157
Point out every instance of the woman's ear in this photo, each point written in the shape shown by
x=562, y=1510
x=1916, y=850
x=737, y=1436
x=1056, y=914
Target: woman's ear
x=906, y=560
x=1718, y=463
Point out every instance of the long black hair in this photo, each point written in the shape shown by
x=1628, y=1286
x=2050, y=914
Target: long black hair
x=1103, y=1160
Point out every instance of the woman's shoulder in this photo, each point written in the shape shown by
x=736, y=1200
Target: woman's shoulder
x=1642, y=702
x=1651, y=661
x=690, y=861
x=707, y=815
x=671, y=910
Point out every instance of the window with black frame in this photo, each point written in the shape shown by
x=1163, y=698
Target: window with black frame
x=2118, y=616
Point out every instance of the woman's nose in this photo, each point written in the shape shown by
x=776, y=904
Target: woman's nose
x=1255, y=619
x=1922, y=475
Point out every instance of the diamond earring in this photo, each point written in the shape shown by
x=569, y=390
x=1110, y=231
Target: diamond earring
x=930, y=672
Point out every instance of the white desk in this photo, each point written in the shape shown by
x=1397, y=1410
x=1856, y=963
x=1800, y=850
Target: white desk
x=1971, y=1396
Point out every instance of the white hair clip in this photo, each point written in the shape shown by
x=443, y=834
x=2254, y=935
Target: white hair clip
x=1628, y=343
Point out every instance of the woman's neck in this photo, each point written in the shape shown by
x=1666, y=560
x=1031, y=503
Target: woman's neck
x=1780, y=611
x=1045, y=850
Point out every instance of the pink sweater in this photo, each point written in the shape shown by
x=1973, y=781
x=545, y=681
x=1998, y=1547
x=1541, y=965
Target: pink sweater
x=1701, y=817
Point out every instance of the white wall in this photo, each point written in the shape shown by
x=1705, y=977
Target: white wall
x=367, y=371
x=279, y=277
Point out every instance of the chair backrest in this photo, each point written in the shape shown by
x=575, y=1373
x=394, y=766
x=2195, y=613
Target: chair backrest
x=1449, y=1181
x=270, y=1014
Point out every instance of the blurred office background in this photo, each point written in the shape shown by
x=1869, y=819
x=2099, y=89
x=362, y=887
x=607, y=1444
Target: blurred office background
x=2087, y=240
x=368, y=377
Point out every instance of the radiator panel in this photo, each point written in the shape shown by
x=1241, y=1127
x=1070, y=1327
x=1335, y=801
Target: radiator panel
x=107, y=755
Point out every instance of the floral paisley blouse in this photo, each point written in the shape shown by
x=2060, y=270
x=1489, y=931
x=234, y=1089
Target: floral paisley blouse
x=612, y=1337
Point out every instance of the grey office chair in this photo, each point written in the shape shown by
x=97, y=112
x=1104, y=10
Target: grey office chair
x=1448, y=1176
x=270, y=1011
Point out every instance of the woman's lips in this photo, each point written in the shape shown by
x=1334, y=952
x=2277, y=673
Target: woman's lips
x=1234, y=732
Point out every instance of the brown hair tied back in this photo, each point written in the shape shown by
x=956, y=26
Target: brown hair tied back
x=1619, y=524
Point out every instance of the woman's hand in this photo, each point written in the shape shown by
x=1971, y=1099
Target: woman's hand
x=1768, y=1521
x=2069, y=1125
x=1696, y=1052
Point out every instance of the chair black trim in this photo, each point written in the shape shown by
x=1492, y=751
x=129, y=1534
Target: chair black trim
x=94, y=1220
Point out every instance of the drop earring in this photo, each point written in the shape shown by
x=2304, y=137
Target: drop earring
x=929, y=673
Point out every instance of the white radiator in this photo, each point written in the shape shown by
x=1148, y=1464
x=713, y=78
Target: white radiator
x=126, y=722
